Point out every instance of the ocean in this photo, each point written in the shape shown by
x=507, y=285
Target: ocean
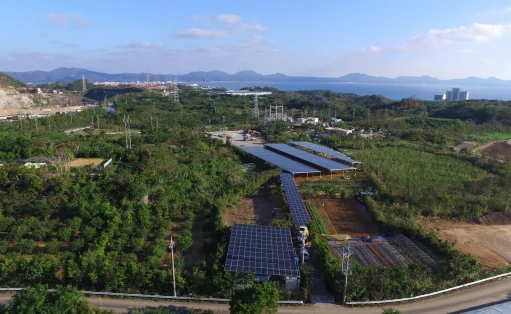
x=396, y=92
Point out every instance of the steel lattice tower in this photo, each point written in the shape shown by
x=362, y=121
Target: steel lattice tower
x=256, y=107
x=84, y=86
x=176, y=93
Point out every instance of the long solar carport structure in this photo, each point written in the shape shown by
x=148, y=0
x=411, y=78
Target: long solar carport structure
x=311, y=159
x=263, y=250
x=289, y=165
x=326, y=151
x=294, y=200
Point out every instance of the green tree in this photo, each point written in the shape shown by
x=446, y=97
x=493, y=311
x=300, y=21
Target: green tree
x=37, y=300
x=258, y=299
x=391, y=311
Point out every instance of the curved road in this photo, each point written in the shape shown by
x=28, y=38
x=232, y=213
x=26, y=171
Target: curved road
x=494, y=292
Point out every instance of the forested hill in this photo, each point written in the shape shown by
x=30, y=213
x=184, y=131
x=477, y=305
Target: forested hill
x=6, y=81
x=71, y=74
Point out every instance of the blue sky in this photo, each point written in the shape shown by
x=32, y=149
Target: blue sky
x=445, y=39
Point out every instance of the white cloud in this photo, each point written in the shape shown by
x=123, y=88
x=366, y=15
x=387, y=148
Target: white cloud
x=474, y=33
x=488, y=61
x=201, y=33
x=375, y=49
x=77, y=20
x=142, y=45
x=63, y=43
x=228, y=18
x=466, y=51
x=507, y=10
x=247, y=27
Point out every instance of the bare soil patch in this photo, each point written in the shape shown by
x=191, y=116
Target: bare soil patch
x=347, y=217
x=252, y=210
x=464, y=146
x=499, y=150
x=84, y=162
x=490, y=244
x=496, y=219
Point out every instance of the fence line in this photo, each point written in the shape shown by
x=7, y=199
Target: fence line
x=150, y=296
x=429, y=294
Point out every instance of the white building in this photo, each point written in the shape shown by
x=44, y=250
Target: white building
x=456, y=95
x=339, y=131
x=334, y=120
x=243, y=93
x=311, y=120
x=463, y=96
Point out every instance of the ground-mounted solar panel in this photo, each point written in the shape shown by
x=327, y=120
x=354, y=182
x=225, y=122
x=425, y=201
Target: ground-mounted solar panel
x=317, y=161
x=278, y=160
x=294, y=200
x=327, y=151
x=262, y=250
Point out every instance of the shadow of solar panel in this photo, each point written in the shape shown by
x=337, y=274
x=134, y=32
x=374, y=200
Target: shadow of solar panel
x=278, y=160
x=324, y=163
x=327, y=151
x=294, y=200
x=262, y=250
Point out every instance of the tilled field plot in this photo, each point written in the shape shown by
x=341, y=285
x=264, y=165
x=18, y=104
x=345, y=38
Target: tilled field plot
x=346, y=216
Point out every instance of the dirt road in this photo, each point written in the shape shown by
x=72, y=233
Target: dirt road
x=494, y=292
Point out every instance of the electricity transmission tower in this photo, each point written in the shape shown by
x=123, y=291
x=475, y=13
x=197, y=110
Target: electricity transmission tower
x=255, y=112
x=84, y=86
x=127, y=130
x=176, y=93
x=346, y=253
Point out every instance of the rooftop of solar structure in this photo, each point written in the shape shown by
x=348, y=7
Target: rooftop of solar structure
x=262, y=250
x=328, y=164
x=294, y=200
x=327, y=151
x=278, y=160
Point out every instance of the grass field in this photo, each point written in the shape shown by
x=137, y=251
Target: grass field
x=493, y=136
x=411, y=173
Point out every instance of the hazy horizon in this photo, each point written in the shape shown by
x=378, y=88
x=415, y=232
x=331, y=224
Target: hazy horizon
x=457, y=39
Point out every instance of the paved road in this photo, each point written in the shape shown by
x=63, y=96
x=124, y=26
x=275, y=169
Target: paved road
x=497, y=291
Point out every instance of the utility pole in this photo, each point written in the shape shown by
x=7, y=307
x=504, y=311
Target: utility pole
x=346, y=253
x=171, y=246
x=36, y=128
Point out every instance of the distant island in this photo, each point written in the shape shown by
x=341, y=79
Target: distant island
x=71, y=74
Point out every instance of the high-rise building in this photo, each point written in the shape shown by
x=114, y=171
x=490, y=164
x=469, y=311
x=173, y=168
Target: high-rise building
x=441, y=97
x=463, y=96
x=454, y=95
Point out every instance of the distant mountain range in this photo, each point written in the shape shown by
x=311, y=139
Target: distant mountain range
x=71, y=74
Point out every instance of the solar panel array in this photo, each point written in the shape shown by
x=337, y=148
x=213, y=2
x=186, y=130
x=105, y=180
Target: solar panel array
x=327, y=151
x=262, y=250
x=324, y=163
x=278, y=160
x=298, y=210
